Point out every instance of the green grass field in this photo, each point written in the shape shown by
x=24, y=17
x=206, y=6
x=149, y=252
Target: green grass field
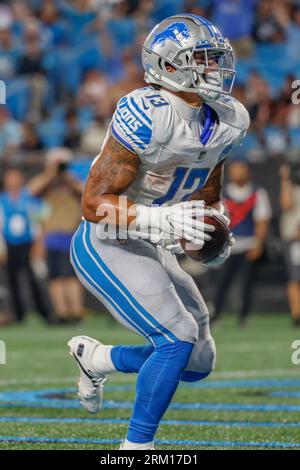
x=252, y=400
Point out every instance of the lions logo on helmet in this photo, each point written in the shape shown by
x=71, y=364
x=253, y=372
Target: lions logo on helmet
x=201, y=59
x=175, y=32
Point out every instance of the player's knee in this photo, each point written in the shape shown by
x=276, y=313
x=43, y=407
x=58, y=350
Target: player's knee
x=175, y=353
x=202, y=361
x=209, y=354
x=207, y=357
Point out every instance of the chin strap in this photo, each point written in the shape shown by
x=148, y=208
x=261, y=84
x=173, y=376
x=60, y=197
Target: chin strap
x=205, y=90
x=209, y=124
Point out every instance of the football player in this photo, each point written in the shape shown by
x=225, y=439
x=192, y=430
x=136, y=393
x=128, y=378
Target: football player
x=164, y=150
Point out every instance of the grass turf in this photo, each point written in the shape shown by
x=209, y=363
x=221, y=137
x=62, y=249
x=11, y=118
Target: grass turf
x=37, y=359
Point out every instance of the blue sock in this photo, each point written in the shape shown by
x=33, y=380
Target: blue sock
x=156, y=384
x=130, y=359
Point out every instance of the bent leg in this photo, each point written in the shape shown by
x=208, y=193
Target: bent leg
x=137, y=290
x=203, y=356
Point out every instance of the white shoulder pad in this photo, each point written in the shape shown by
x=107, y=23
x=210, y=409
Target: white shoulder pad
x=232, y=112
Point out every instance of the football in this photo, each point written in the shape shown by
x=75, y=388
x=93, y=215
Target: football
x=211, y=248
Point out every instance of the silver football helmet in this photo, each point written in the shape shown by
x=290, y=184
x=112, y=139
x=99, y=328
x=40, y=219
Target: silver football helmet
x=188, y=53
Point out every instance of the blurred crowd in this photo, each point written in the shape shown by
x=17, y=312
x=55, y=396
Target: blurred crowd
x=65, y=64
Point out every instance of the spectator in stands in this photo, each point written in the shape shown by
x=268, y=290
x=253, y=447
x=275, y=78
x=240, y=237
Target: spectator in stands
x=30, y=140
x=122, y=26
x=9, y=51
x=293, y=33
x=290, y=234
x=92, y=138
x=268, y=23
x=143, y=17
x=73, y=134
x=132, y=78
x=235, y=19
x=94, y=93
x=62, y=192
x=276, y=136
x=21, y=215
x=249, y=210
x=258, y=99
x=52, y=24
x=79, y=14
x=10, y=134
x=31, y=66
x=6, y=314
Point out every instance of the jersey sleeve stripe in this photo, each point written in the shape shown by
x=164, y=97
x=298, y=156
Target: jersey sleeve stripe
x=138, y=117
x=132, y=138
x=121, y=140
x=142, y=135
x=140, y=111
x=129, y=132
x=132, y=124
x=144, y=131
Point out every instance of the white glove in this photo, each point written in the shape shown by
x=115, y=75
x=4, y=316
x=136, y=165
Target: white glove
x=174, y=248
x=178, y=250
x=161, y=224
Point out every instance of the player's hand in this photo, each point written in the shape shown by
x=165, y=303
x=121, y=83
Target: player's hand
x=172, y=223
x=174, y=248
x=213, y=79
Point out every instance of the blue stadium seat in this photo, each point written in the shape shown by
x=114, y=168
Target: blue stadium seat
x=270, y=53
x=244, y=67
x=52, y=132
x=18, y=97
x=250, y=143
x=85, y=118
x=80, y=167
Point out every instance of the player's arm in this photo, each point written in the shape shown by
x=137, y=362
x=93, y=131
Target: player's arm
x=211, y=193
x=110, y=175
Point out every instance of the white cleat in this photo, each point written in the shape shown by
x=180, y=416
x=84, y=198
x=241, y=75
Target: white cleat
x=130, y=446
x=90, y=385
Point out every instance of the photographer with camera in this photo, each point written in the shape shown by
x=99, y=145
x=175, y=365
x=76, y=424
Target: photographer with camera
x=290, y=233
x=62, y=192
